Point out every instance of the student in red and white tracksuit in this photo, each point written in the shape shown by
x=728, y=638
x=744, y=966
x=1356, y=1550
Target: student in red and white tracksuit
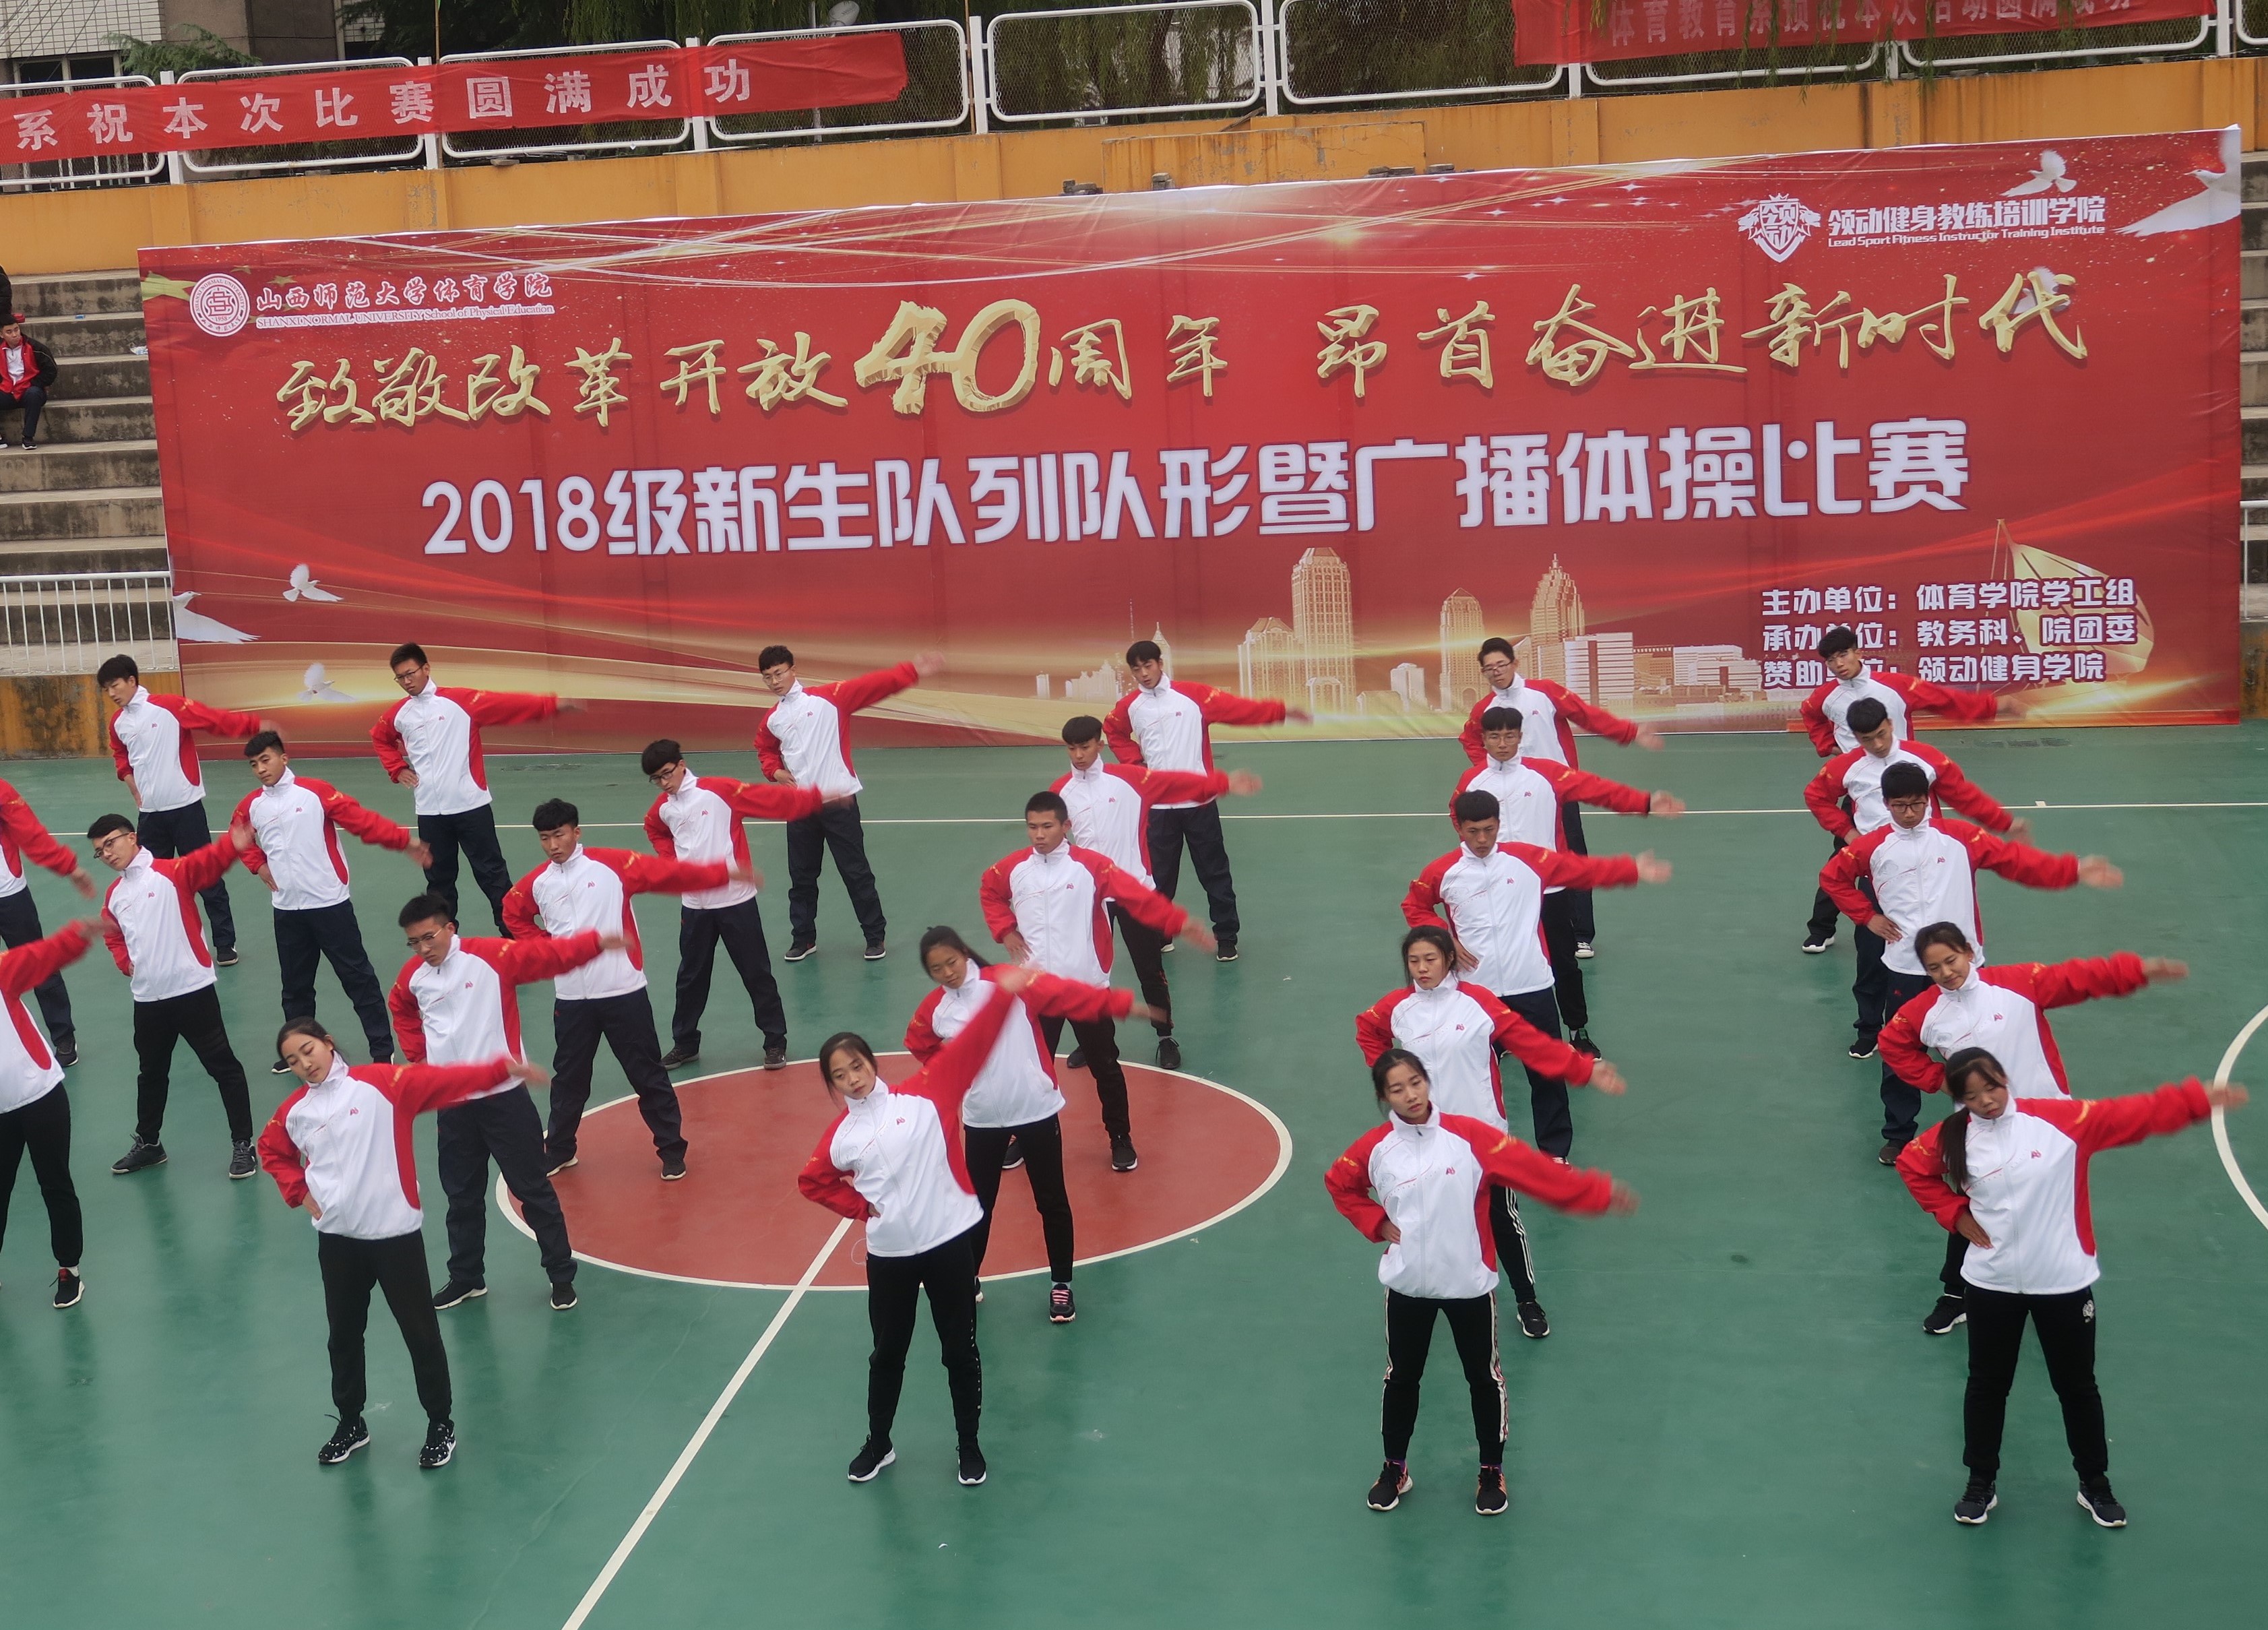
x=1111, y=807
x=1899, y=879
x=25, y=837
x=804, y=741
x=704, y=818
x=1167, y=724
x=34, y=1108
x=1534, y=796
x=431, y=743
x=294, y=825
x=456, y=1000
x=2005, y=1010
x=1551, y=715
x=150, y=923
x=579, y=888
x=1489, y=895
x=2009, y=1174
x=893, y=1158
x=1015, y=1099
x=1046, y=905
x=1419, y=1185
x=157, y=758
x=341, y=1146
x=1456, y=1029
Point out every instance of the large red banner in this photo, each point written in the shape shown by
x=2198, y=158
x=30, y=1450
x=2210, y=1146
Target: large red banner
x=1606, y=30
x=1665, y=424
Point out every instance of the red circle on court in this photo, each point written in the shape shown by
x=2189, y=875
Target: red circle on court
x=736, y=1218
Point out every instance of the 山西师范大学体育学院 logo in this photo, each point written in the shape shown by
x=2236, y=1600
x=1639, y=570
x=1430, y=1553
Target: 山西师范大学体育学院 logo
x=218, y=304
x=1779, y=225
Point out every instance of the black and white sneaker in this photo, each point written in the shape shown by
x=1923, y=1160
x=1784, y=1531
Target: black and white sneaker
x=1976, y=1501
x=139, y=1156
x=351, y=1437
x=776, y=1056
x=1123, y=1157
x=1583, y=954
x=1533, y=1323
x=1949, y=1311
x=867, y=1464
x=2097, y=1500
x=1225, y=952
x=979, y=1297
x=1489, y=1499
x=1169, y=947
x=279, y=1069
x=1815, y=944
x=672, y=1168
x=1061, y=1309
x=1581, y=1041
x=243, y=1159
x=876, y=950
x=69, y=1287
x=1888, y=1155
x=972, y=1464
x=1862, y=1047
x=553, y=1165
x=66, y=1054
x=456, y=1293
x=440, y=1445
x=563, y=1296
x=1169, y=1053
x=1013, y=1156
x=1392, y=1483
x=677, y=1057
x=1077, y=1060
x=797, y=953
x=226, y=959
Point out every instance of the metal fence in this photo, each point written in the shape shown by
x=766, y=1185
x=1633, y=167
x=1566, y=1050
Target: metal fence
x=1327, y=55
x=569, y=140
x=101, y=169
x=70, y=625
x=297, y=155
x=1148, y=61
x=936, y=96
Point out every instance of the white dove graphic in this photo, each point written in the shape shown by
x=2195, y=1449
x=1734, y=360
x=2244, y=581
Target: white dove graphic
x=304, y=586
x=2049, y=175
x=199, y=629
x=2222, y=199
x=315, y=686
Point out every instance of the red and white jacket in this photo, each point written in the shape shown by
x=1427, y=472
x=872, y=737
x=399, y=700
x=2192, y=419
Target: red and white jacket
x=1927, y=873
x=1455, y=1029
x=151, y=923
x=1550, y=713
x=295, y=830
x=1056, y=900
x=807, y=731
x=1494, y=905
x=437, y=733
x=1529, y=791
x=1431, y=1181
x=1017, y=1084
x=467, y=1008
x=2005, y=1010
x=1109, y=807
x=346, y=1142
x=23, y=837
x=1170, y=728
x=897, y=1153
x=28, y=1070
x=2028, y=1181
x=1856, y=776
x=1827, y=710
x=149, y=739
x=591, y=890
x=702, y=821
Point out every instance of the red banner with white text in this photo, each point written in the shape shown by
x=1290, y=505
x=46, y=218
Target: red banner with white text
x=1580, y=31
x=1665, y=425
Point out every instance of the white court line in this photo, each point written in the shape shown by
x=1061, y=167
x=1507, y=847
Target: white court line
x=645, y=1517
x=2221, y=1119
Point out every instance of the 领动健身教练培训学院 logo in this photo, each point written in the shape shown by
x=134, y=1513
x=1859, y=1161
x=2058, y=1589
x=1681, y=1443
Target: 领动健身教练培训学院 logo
x=1779, y=225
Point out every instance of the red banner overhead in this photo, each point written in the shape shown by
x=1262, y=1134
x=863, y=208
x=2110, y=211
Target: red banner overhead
x=1579, y=31
x=1666, y=422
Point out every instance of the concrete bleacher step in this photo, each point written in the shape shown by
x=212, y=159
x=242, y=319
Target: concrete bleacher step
x=76, y=293
x=94, y=513
x=2254, y=435
x=102, y=419
x=104, y=376
x=83, y=333
x=53, y=557
x=75, y=466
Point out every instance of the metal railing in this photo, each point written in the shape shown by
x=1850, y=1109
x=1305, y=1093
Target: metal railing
x=1147, y=60
x=297, y=155
x=101, y=169
x=2138, y=40
x=570, y=139
x=71, y=624
x=936, y=97
x=1326, y=55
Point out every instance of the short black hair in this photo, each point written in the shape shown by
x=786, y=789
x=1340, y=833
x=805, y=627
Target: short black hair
x=1144, y=650
x=104, y=825
x=1497, y=645
x=1385, y=1066
x=1050, y=802
x=658, y=755
x=1905, y=779
x=120, y=667
x=409, y=651
x=772, y=656
x=1837, y=640
x=1943, y=933
x=1477, y=807
x=427, y=908
x=1867, y=714
x=1502, y=719
x=554, y=812
x=1085, y=727
x=307, y=1026
x=263, y=742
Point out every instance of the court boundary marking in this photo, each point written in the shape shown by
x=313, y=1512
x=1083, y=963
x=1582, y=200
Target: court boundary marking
x=1284, y=1150
x=2221, y=1119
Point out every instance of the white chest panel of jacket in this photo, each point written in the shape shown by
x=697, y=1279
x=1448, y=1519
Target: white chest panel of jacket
x=1106, y=817
x=703, y=827
x=437, y=738
x=1863, y=781
x=1014, y=1088
x=1170, y=729
x=460, y=1004
x=1865, y=687
x=165, y=940
x=588, y=893
x=358, y=1158
x=1453, y=1037
x=809, y=731
x=894, y=1146
x=305, y=859
x=165, y=776
x=1528, y=806
x=1053, y=897
x=1923, y=876
x=2024, y=1191
x=1428, y=1179
x=1495, y=906
x=2005, y=1023
x=1539, y=725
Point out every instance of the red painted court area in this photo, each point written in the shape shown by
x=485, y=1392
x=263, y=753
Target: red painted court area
x=736, y=1218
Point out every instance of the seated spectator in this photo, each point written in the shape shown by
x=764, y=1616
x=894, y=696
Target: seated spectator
x=26, y=369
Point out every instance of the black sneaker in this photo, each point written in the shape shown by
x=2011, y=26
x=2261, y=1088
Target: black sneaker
x=1225, y=951
x=563, y=1296
x=1977, y=1500
x=1489, y=1499
x=455, y=1293
x=872, y=1456
x=1949, y=1311
x=139, y=1156
x=876, y=950
x=672, y=1168
x=1888, y=1154
x=1061, y=1309
x=1123, y=1157
x=555, y=1164
x=2097, y=1500
x=776, y=1056
x=972, y=1464
x=279, y=1069
x=66, y=1054
x=795, y=954
x=1814, y=944
x=1862, y=1047
x=677, y=1057
x=1077, y=1060
x=1169, y=1053
x=1581, y=1041
x=1014, y=1155
x=1533, y=1323
x=226, y=959
x=69, y=1287
x=243, y=1159
x=440, y=1445
x=351, y=1437
x=31, y=446
x=1392, y=1483
x=1583, y=951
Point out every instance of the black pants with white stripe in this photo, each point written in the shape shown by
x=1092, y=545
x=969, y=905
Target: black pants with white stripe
x=1409, y=1339
x=1512, y=1253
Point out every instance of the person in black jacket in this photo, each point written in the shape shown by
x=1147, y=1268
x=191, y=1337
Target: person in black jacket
x=27, y=368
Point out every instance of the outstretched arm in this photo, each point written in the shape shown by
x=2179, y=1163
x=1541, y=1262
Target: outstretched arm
x=34, y=965
x=504, y=707
x=852, y=695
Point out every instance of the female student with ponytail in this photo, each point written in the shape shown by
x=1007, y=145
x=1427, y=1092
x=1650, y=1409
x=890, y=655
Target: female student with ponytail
x=2009, y=1176
x=893, y=1158
x=1456, y=1029
x=1015, y=1099
x=1418, y=1185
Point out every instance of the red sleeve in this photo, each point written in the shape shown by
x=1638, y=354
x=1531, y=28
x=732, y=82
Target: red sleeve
x=530, y=956
x=383, y=736
x=1225, y=707
x=21, y=824
x=2110, y=1123
x=768, y=802
x=852, y=695
x=1463, y=781
x=367, y=824
x=1145, y=906
x=2084, y=978
x=415, y=1088
x=1816, y=725
x=1422, y=905
x=280, y=1157
x=1050, y=997
x=255, y=857
x=118, y=750
x=646, y=874
x=218, y=721
x=1973, y=707
x=1575, y=871
x=519, y=910
x=200, y=868
x=826, y=1182
x=1597, y=720
x=1348, y=1180
x=1840, y=877
x=922, y=1040
x=2019, y=863
x=408, y=1023
x=1900, y=1042
x=767, y=747
x=1585, y=788
x=28, y=965
x=1542, y=1053
x=1824, y=794
x=1921, y=1165
x=1514, y=1165
x=1469, y=737
x=658, y=833
x=1117, y=729
x=1955, y=788
x=1170, y=787
x=1373, y=1026
x=944, y=1080
x=992, y=894
x=503, y=707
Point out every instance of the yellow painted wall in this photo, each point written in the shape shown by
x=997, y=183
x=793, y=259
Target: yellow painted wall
x=99, y=231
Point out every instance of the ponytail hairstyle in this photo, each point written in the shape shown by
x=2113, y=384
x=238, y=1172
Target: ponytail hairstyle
x=949, y=937
x=843, y=1041
x=1384, y=1067
x=1434, y=935
x=1962, y=1072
